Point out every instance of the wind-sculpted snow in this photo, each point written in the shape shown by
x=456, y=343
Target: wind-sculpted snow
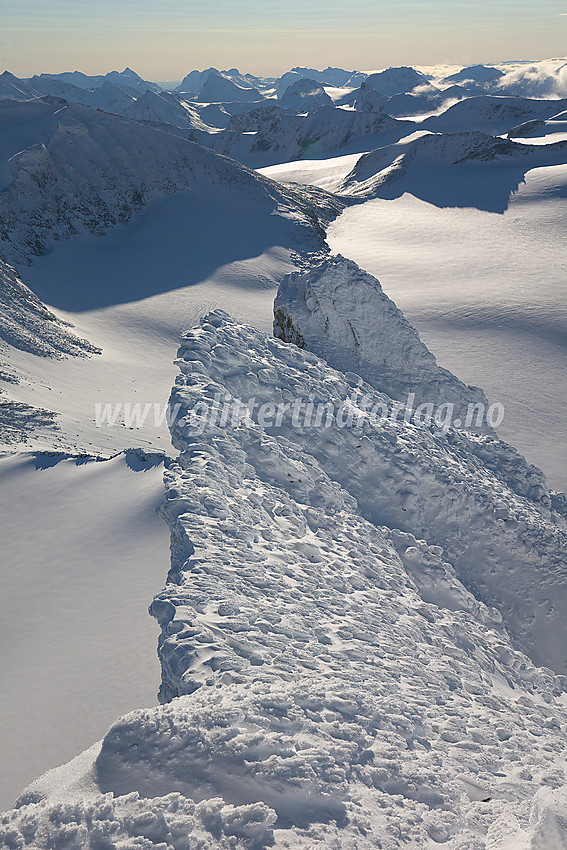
x=329, y=680
x=27, y=324
x=469, y=169
x=341, y=313
x=473, y=495
x=89, y=171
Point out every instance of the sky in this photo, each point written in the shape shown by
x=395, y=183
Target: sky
x=164, y=40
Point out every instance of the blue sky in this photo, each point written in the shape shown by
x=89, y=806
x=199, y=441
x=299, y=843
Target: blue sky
x=164, y=40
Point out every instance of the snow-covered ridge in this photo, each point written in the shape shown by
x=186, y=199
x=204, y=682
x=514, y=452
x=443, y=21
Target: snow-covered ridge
x=492, y=114
x=329, y=666
x=472, y=495
x=90, y=171
x=484, y=170
x=282, y=137
x=341, y=313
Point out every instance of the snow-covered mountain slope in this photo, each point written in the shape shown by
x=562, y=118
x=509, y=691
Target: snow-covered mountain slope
x=538, y=132
x=451, y=170
x=423, y=102
x=126, y=79
x=339, y=685
x=94, y=171
x=12, y=88
x=304, y=95
x=420, y=102
x=475, y=74
x=218, y=89
x=46, y=86
x=26, y=323
x=340, y=312
x=491, y=114
x=367, y=99
x=396, y=80
x=194, y=81
x=329, y=76
x=164, y=108
x=109, y=97
x=327, y=173
x=282, y=137
x=144, y=212
x=83, y=550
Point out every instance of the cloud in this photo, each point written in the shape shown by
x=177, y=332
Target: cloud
x=544, y=79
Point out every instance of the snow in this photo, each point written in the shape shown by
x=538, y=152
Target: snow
x=492, y=114
x=475, y=74
x=395, y=80
x=218, y=89
x=303, y=96
x=282, y=137
x=326, y=173
x=341, y=313
x=339, y=685
x=130, y=291
x=29, y=326
x=364, y=620
x=451, y=170
x=140, y=280
x=482, y=312
x=83, y=550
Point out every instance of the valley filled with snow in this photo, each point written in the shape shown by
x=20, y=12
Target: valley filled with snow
x=282, y=360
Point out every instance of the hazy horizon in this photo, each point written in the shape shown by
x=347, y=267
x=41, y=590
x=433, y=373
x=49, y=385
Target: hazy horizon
x=165, y=42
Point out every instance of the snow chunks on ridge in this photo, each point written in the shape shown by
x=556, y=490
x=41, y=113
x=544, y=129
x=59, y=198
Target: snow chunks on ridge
x=325, y=664
x=471, y=494
x=328, y=679
x=341, y=313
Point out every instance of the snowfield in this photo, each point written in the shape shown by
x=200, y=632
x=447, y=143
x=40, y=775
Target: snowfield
x=361, y=618
x=328, y=680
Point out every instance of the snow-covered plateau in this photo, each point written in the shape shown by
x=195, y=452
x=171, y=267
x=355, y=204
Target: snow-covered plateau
x=361, y=616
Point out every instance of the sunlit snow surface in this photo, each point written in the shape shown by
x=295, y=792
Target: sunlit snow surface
x=83, y=550
x=486, y=291
x=340, y=687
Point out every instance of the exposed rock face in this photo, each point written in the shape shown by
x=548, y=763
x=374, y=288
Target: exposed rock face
x=27, y=324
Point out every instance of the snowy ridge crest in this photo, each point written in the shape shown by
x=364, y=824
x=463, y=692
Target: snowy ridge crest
x=387, y=165
x=320, y=665
x=341, y=313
